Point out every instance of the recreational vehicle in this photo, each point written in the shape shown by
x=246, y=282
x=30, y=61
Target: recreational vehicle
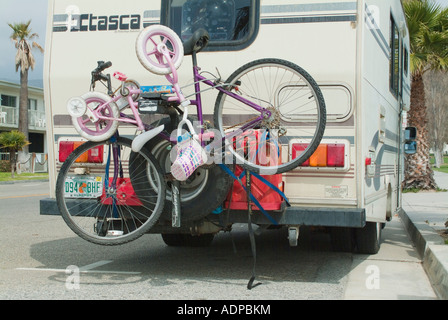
x=356, y=50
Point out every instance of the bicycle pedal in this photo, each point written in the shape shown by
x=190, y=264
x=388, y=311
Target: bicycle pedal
x=169, y=177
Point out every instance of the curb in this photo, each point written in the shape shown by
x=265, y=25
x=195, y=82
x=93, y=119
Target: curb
x=23, y=181
x=434, y=253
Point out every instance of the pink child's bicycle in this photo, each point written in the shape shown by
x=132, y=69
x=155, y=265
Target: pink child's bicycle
x=96, y=116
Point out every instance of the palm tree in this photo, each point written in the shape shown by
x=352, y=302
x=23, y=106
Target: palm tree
x=13, y=141
x=428, y=32
x=22, y=36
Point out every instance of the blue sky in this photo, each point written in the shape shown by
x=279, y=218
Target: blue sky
x=14, y=11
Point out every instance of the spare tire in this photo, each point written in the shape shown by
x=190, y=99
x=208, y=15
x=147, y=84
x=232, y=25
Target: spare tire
x=201, y=193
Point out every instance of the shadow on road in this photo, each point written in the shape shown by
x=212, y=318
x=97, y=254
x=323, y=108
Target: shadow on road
x=229, y=258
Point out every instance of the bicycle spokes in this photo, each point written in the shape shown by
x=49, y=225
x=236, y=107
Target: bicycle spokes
x=109, y=194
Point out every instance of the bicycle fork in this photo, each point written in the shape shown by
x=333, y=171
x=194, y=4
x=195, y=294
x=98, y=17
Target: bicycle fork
x=111, y=187
x=176, y=210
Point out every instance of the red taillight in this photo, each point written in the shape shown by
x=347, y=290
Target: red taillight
x=336, y=155
x=297, y=149
x=65, y=148
x=94, y=155
x=330, y=155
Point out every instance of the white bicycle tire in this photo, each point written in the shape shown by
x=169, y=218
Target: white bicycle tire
x=140, y=49
x=113, y=124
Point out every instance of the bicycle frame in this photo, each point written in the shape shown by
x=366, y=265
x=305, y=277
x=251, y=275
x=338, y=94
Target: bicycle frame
x=137, y=121
x=198, y=79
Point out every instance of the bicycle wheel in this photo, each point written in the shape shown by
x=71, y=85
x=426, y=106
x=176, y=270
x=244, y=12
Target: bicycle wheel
x=95, y=192
x=292, y=107
x=102, y=129
x=147, y=47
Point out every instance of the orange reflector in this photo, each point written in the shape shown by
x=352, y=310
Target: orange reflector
x=85, y=156
x=319, y=157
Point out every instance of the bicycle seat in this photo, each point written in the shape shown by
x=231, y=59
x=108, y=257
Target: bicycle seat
x=120, y=76
x=198, y=41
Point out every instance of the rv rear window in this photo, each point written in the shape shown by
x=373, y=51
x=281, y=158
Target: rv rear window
x=231, y=24
x=395, y=67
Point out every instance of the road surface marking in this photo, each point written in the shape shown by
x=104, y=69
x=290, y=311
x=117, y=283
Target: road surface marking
x=26, y=196
x=85, y=269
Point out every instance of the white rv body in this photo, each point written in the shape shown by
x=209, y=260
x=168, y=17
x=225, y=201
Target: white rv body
x=346, y=45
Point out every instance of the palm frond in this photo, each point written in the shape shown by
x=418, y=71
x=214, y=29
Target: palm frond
x=33, y=35
x=36, y=45
x=428, y=32
x=31, y=60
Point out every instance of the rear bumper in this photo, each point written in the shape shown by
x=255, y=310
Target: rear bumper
x=325, y=217
x=308, y=216
x=48, y=207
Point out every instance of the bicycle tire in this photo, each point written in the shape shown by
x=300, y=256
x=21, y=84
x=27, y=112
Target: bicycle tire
x=147, y=53
x=272, y=84
x=102, y=129
x=111, y=215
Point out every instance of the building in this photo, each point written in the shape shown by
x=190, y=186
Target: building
x=9, y=115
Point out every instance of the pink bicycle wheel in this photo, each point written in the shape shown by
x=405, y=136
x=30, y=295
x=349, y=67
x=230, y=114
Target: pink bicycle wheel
x=148, y=45
x=102, y=129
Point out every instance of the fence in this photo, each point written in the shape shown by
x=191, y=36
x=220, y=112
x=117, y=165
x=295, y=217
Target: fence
x=38, y=161
x=9, y=117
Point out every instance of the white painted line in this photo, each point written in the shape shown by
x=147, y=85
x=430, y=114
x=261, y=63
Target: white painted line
x=86, y=269
x=95, y=265
x=41, y=269
x=81, y=271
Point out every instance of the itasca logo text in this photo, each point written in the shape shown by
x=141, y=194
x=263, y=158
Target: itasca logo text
x=90, y=22
x=74, y=21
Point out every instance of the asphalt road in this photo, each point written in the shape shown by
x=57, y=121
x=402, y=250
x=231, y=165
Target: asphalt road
x=40, y=258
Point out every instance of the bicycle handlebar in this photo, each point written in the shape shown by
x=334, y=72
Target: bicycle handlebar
x=102, y=66
x=97, y=75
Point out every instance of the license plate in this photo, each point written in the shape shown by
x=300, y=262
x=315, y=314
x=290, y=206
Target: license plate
x=83, y=187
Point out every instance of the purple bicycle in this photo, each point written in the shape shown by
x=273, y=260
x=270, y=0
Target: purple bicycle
x=260, y=108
